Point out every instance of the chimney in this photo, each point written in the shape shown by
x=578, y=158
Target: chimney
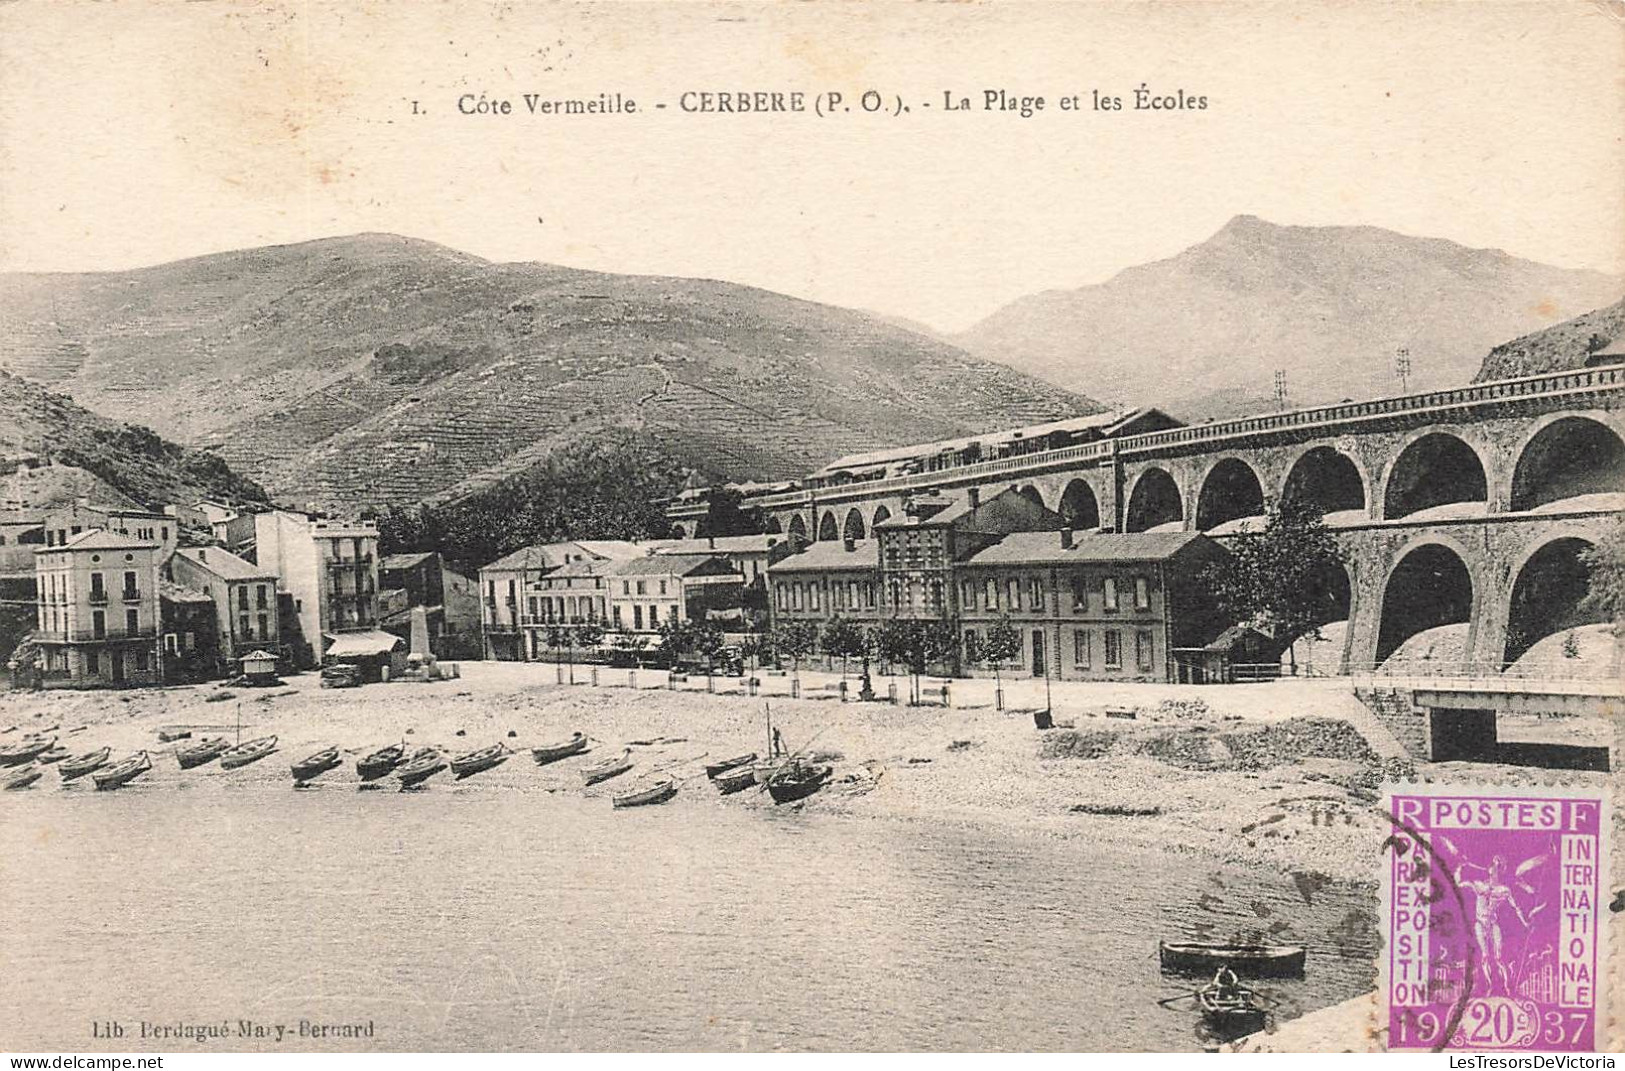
x=711, y=541
x=202, y=554
x=851, y=544
x=1066, y=539
x=975, y=497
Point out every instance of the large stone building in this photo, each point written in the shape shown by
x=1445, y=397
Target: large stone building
x=1087, y=606
x=329, y=568
x=244, y=594
x=98, y=619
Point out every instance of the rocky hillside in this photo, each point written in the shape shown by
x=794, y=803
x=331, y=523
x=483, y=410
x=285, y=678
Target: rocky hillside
x=105, y=461
x=1565, y=345
x=1202, y=333
x=387, y=370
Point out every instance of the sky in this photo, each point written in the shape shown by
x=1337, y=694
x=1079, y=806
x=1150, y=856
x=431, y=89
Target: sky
x=136, y=133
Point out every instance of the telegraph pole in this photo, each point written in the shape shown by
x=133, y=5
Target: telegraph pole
x=1402, y=365
x=1280, y=388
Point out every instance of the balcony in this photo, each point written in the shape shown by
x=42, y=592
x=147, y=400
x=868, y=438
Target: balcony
x=98, y=597
x=350, y=563
x=132, y=594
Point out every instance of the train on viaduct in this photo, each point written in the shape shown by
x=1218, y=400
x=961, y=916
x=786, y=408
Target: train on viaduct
x=1464, y=506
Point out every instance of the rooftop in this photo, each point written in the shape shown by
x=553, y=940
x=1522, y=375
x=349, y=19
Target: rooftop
x=1045, y=548
x=223, y=563
x=670, y=565
x=100, y=539
x=404, y=561
x=744, y=544
x=832, y=554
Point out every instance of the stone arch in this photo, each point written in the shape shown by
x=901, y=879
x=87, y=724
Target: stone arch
x=1327, y=478
x=1565, y=457
x=1548, y=588
x=1332, y=589
x=1032, y=494
x=1434, y=469
x=881, y=514
x=798, y=528
x=679, y=531
x=1154, y=501
x=1429, y=586
x=829, y=527
x=773, y=525
x=1230, y=491
x=853, y=528
x=1079, y=505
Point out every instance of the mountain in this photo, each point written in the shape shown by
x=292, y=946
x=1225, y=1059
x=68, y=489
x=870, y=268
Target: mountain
x=387, y=370
x=100, y=459
x=1561, y=346
x=1203, y=332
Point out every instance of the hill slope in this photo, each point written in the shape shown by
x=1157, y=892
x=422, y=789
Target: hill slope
x=1565, y=345
x=108, y=462
x=1203, y=332
x=384, y=369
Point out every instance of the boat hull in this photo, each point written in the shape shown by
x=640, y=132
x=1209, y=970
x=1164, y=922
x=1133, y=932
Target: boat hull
x=576, y=745
x=717, y=769
x=26, y=752
x=735, y=781
x=244, y=754
x=790, y=789
x=380, y=763
x=1249, y=961
x=646, y=797
x=205, y=751
x=468, y=769
x=83, y=764
x=122, y=773
x=315, y=766
x=22, y=779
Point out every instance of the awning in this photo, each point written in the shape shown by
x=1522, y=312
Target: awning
x=362, y=644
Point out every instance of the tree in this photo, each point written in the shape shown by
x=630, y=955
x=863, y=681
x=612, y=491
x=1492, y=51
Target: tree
x=676, y=640
x=725, y=515
x=589, y=634
x=1003, y=644
x=1605, y=560
x=1274, y=580
x=707, y=640
x=798, y=639
x=758, y=649
x=845, y=640
x=915, y=645
x=629, y=643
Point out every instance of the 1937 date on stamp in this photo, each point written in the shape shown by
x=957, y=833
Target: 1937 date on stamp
x=1493, y=910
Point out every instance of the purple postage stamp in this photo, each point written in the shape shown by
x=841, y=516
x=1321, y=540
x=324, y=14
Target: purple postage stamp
x=1494, y=908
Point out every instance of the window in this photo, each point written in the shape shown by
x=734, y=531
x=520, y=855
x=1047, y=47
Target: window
x=259, y=596
x=991, y=595
x=242, y=598
x=129, y=584
x=166, y=533
x=1012, y=594
x=97, y=591
x=132, y=621
x=1080, y=595
x=191, y=641
x=643, y=587
x=172, y=643
x=98, y=623
x=662, y=587
x=637, y=617
x=1142, y=593
x=1114, y=649
x=967, y=595
x=1109, y=591
x=1080, y=648
x=936, y=595
x=780, y=596
x=141, y=661
x=626, y=587
x=265, y=627
x=973, y=649
x=654, y=617
x=1142, y=649
x=812, y=596
x=242, y=625
x=93, y=662
x=1035, y=593
x=533, y=606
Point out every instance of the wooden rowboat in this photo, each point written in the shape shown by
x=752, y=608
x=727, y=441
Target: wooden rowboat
x=205, y=750
x=27, y=749
x=714, y=770
x=315, y=765
x=243, y=754
x=1253, y=961
x=423, y=765
x=55, y=754
x=610, y=767
x=655, y=792
x=80, y=765
x=122, y=772
x=576, y=745
x=797, y=781
x=736, y=780
x=1230, y=1014
x=472, y=762
x=380, y=762
x=21, y=778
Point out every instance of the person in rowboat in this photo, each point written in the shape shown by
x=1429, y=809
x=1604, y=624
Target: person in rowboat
x=1226, y=987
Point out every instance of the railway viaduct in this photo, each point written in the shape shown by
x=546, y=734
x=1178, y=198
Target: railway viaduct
x=1466, y=506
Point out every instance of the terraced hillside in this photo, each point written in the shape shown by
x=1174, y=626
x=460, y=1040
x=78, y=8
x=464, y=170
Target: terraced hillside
x=101, y=459
x=1569, y=344
x=384, y=370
